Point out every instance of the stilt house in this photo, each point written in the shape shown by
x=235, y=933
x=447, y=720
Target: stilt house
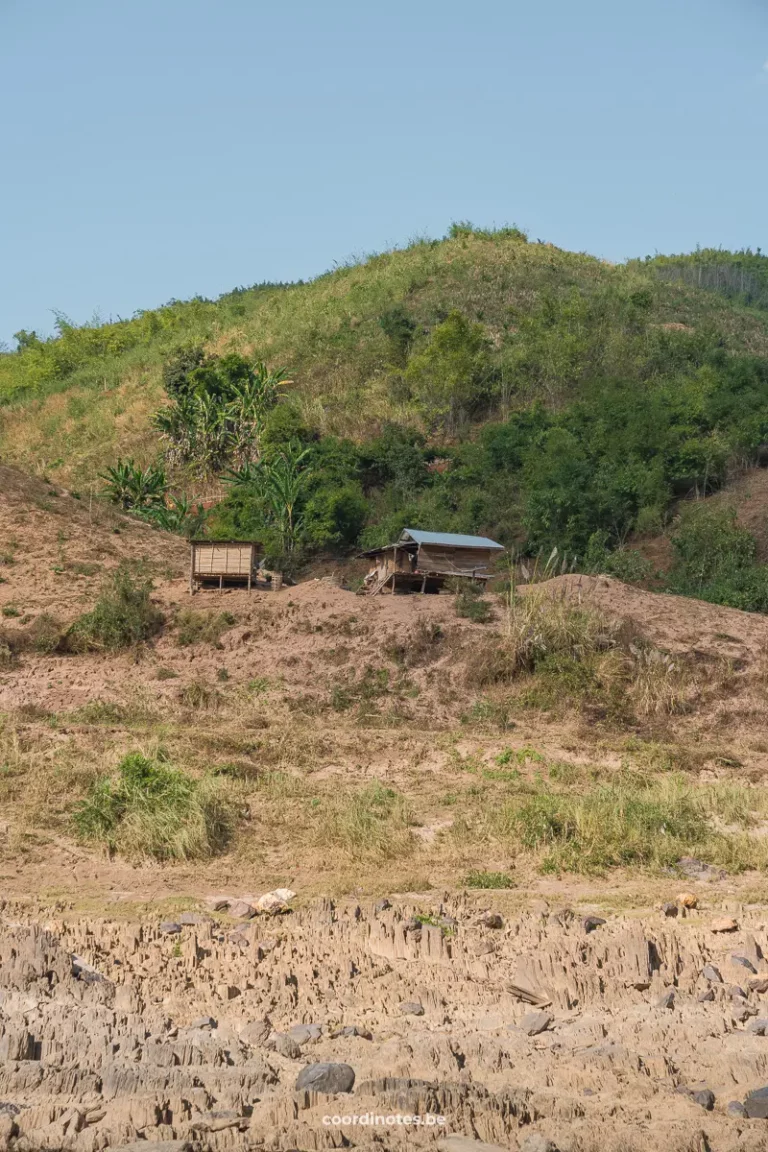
x=423, y=561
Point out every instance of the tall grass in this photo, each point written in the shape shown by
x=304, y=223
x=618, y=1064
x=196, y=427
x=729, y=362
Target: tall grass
x=370, y=823
x=562, y=652
x=632, y=820
x=148, y=808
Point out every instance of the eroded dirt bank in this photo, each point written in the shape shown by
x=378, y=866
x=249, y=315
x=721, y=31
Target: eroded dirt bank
x=510, y=1026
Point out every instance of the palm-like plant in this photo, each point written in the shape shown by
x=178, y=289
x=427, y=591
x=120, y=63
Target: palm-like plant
x=131, y=486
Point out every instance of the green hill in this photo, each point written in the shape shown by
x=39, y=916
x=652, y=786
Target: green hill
x=480, y=382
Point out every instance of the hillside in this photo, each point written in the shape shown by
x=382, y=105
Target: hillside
x=552, y=321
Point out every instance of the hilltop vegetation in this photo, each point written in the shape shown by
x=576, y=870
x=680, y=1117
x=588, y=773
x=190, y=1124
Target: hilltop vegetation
x=479, y=383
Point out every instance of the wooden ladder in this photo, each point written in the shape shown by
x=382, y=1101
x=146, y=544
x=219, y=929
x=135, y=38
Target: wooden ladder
x=380, y=585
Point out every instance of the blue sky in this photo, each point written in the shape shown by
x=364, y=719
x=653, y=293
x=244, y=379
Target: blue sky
x=161, y=148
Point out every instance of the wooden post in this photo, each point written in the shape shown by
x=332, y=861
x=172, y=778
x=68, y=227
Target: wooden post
x=424, y=584
x=192, y=571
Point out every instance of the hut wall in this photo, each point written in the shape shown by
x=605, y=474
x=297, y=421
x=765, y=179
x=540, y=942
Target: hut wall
x=223, y=560
x=454, y=561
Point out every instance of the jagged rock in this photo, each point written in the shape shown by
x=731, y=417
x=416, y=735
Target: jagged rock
x=286, y=1046
x=736, y=1110
x=724, y=924
x=303, y=1033
x=352, y=1030
x=256, y=1033
x=667, y=1000
x=411, y=1008
x=412, y=924
x=535, y=1022
x=712, y=973
x=382, y=905
x=706, y=997
x=326, y=1078
x=204, y=1022
x=170, y=928
x=484, y=948
x=670, y=909
x=492, y=920
x=188, y=919
x=736, y=992
x=590, y=923
x=466, y=1144
x=84, y=971
x=760, y=985
x=705, y=1098
x=737, y=958
x=758, y=1025
x=688, y=900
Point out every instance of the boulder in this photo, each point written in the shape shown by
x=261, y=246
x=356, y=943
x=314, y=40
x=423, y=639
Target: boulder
x=724, y=924
x=411, y=1008
x=326, y=1078
x=590, y=923
x=705, y=1098
x=711, y=973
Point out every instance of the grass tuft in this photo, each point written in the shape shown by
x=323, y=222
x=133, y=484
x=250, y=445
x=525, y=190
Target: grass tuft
x=122, y=617
x=148, y=808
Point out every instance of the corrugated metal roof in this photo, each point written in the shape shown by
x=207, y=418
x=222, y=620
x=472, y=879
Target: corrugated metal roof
x=450, y=538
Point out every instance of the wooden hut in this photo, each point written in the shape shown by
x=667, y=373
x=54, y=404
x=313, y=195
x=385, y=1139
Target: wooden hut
x=423, y=561
x=216, y=563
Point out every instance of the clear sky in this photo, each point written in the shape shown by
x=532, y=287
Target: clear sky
x=162, y=148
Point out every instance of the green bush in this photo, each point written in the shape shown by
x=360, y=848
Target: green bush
x=477, y=879
x=122, y=617
x=148, y=808
x=715, y=559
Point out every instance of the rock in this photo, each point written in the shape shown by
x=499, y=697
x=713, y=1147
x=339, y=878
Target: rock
x=412, y=924
x=705, y=1098
x=256, y=1033
x=218, y=903
x=275, y=902
x=756, y=1104
x=535, y=1022
x=352, y=1030
x=84, y=971
x=724, y=924
x=382, y=905
x=705, y=997
x=303, y=1033
x=537, y=1143
x=667, y=1000
x=7, y=1130
x=326, y=1078
x=688, y=900
x=170, y=928
x=737, y=958
x=760, y=985
x=697, y=870
x=590, y=923
x=286, y=1046
x=492, y=920
x=736, y=992
x=191, y=918
x=484, y=948
x=670, y=909
x=242, y=910
x=411, y=1008
x=204, y=1022
x=449, y=923
x=736, y=1110
x=711, y=973
x=742, y=1013
x=467, y=1144
x=758, y=1025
